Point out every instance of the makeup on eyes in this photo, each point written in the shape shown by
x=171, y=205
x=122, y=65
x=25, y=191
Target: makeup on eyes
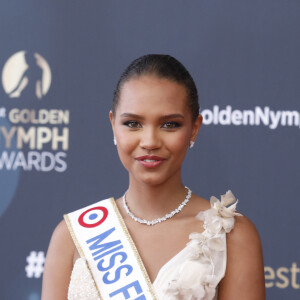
x=171, y=125
x=167, y=125
x=166, y=122
x=132, y=124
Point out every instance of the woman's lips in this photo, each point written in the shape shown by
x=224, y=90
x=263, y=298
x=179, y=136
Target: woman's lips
x=150, y=161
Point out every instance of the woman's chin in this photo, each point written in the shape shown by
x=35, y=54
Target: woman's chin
x=152, y=180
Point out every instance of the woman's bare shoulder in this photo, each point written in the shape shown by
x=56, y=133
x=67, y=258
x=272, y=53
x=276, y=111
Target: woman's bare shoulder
x=61, y=238
x=245, y=267
x=244, y=231
x=59, y=263
x=61, y=244
x=61, y=229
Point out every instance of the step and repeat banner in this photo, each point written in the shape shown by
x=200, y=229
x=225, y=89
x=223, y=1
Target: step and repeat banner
x=59, y=64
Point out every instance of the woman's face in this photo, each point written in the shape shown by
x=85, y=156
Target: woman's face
x=153, y=128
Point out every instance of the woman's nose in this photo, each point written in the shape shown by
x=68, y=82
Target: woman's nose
x=150, y=139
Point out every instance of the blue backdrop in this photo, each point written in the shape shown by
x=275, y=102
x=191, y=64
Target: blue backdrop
x=59, y=64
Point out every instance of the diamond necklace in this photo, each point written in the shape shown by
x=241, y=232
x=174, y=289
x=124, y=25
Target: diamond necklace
x=158, y=220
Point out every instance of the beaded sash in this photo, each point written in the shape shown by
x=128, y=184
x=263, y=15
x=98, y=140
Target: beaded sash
x=101, y=237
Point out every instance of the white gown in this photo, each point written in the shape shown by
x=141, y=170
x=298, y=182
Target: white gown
x=194, y=273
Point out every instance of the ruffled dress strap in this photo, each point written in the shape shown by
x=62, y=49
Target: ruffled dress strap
x=197, y=271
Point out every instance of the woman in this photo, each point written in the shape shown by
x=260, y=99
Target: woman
x=190, y=249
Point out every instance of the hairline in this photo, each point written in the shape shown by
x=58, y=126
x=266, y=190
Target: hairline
x=153, y=73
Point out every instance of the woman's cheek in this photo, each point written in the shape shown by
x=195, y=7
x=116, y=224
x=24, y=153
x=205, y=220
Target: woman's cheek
x=179, y=142
x=126, y=144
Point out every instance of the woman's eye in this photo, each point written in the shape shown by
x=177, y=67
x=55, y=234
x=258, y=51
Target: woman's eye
x=170, y=125
x=132, y=124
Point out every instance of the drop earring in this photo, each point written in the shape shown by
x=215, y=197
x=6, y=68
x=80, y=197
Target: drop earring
x=192, y=143
x=115, y=141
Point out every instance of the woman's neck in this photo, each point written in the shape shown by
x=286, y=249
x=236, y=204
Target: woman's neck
x=151, y=202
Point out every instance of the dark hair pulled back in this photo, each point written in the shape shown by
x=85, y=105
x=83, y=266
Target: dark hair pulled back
x=162, y=66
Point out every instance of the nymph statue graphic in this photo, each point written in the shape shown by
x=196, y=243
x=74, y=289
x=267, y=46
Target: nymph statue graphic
x=26, y=74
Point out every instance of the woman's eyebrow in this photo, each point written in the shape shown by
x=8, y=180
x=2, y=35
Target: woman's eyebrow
x=126, y=115
x=171, y=116
x=162, y=117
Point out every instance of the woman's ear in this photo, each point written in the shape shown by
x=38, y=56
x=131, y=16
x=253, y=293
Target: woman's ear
x=196, y=126
x=111, y=117
x=112, y=121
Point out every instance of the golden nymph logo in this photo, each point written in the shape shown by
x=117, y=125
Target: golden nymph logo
x=31, y=138
x=26, y=73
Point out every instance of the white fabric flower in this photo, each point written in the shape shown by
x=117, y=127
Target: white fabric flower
x=197, y=245
x=221, y=215
x=182, y=290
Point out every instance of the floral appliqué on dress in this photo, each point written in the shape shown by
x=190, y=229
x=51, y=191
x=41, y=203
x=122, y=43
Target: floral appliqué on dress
x=204, y=266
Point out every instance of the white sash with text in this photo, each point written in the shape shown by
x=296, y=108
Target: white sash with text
x=101, y=237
